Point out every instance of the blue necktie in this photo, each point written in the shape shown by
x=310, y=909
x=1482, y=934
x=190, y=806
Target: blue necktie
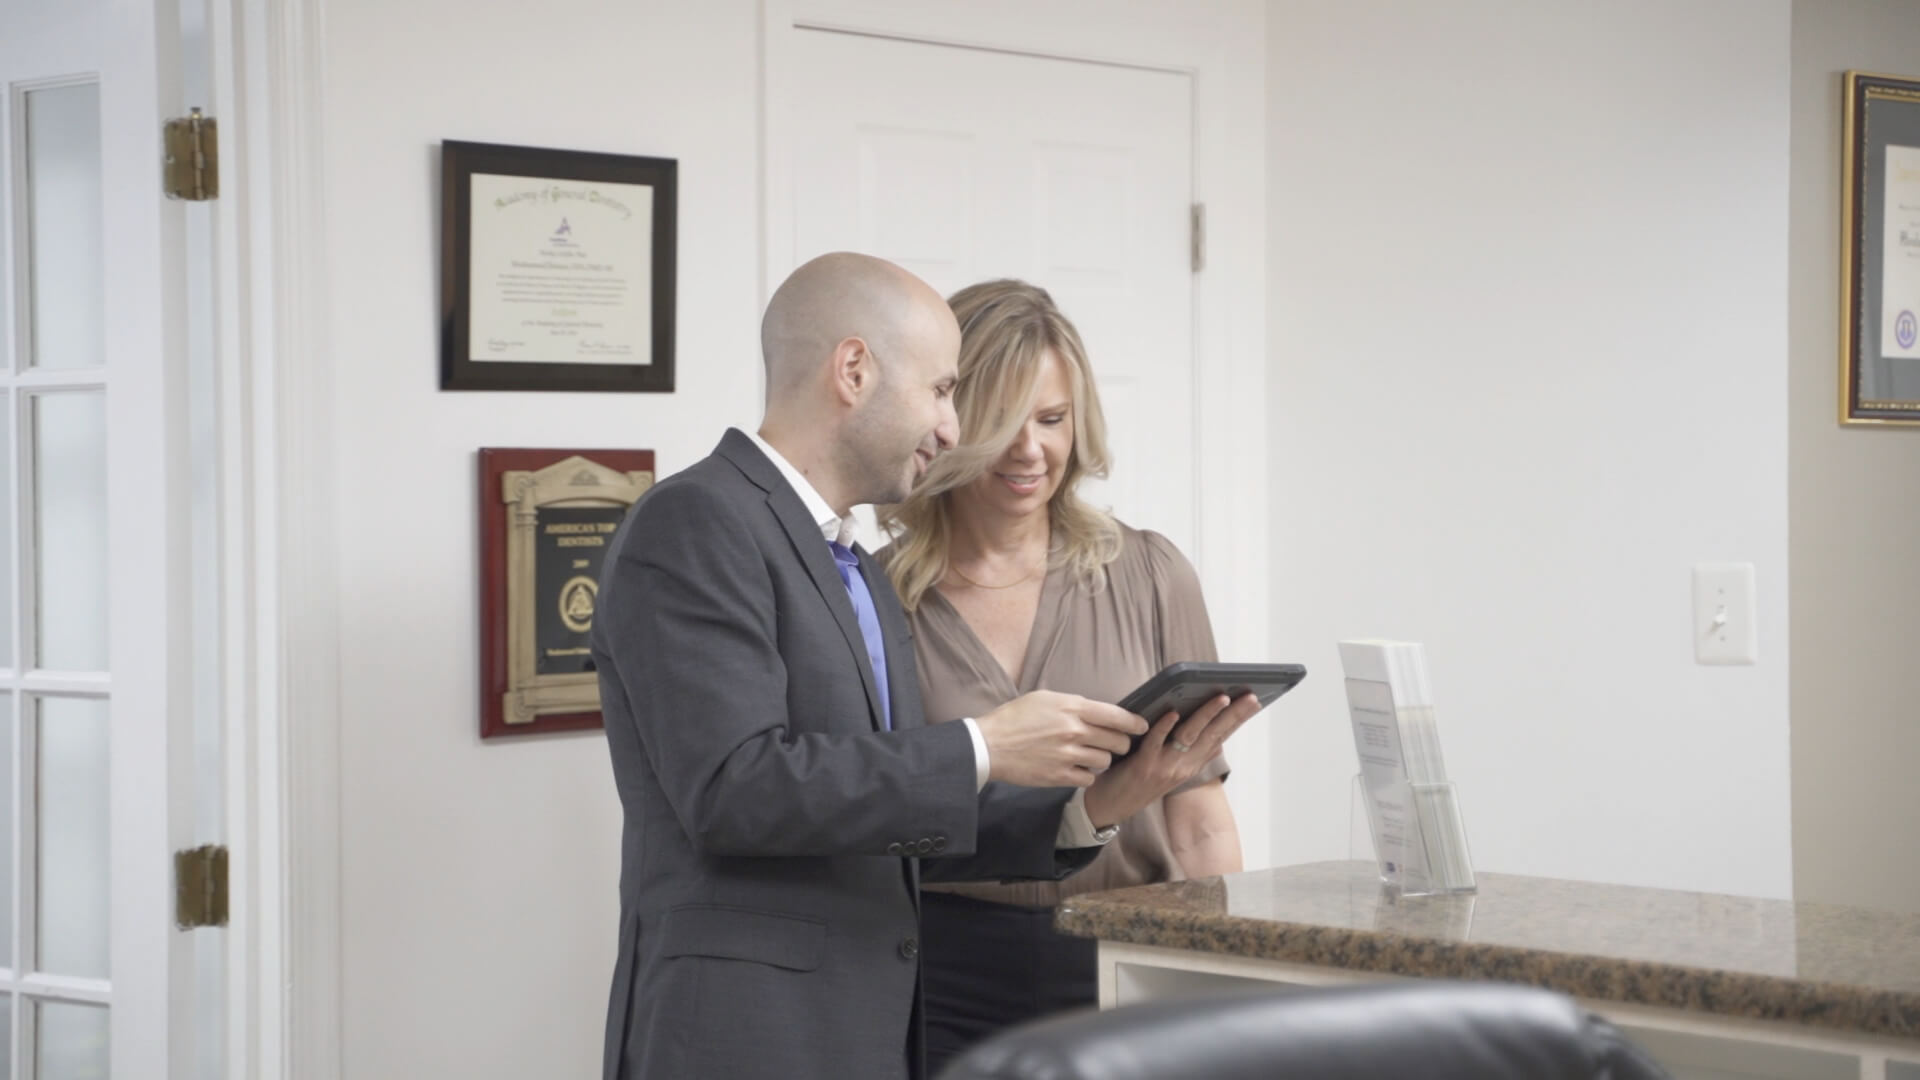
x=849, y=566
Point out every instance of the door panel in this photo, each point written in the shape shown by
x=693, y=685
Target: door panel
x=963, y=165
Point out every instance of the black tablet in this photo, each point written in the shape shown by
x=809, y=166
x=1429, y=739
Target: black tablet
x=1186, y=686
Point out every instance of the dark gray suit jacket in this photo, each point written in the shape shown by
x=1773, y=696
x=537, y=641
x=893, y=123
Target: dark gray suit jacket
x=768, y=918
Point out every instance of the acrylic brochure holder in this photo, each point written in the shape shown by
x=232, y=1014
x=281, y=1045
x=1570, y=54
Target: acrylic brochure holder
x=1414, y=825
x=1414, y=834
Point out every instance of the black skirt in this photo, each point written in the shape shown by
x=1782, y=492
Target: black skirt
x=988, y=966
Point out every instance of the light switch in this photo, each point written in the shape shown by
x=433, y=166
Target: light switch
x=1723, y=630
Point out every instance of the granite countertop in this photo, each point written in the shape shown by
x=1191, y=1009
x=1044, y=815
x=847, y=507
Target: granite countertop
x=1846, y=968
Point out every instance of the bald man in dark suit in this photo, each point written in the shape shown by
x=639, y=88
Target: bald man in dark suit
x=783, y=794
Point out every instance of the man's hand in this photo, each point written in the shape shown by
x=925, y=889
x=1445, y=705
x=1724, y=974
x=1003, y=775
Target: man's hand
x=1173, y=752
x=1044, y=739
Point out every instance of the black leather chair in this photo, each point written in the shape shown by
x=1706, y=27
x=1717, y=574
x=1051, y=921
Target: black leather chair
x=1426, y=1029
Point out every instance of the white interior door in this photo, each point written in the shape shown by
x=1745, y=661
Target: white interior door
x=96, y=573
x=964, y=164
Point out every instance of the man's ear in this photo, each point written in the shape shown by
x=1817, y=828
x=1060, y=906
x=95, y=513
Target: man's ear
x=853, y=371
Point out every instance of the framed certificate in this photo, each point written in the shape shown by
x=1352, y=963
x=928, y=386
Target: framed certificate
x=556, y=269
x=546, y=520
x=1880, y=290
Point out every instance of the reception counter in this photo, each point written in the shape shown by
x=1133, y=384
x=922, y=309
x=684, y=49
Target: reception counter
x=1715, y=986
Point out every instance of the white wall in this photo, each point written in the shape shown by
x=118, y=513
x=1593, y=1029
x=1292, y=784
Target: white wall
x=1528, y=276
x=479, y=882
x=1854, y=523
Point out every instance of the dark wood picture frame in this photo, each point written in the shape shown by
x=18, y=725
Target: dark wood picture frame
x=459, y=370
x=1880, y=111
x=538, y=509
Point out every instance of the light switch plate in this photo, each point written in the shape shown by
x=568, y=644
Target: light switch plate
x=1723, y=625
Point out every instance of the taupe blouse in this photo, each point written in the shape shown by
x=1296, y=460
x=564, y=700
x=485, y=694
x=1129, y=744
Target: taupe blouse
x=1096, y=643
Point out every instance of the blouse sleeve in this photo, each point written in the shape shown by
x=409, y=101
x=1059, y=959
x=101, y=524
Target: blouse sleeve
x=1180, y=613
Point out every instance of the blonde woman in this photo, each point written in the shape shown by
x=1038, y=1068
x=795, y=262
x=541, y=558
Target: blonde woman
x=1014, y=584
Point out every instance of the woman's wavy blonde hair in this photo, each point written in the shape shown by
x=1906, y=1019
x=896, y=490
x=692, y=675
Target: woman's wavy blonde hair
x=1006, y=328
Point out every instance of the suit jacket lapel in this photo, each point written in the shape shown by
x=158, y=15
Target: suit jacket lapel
x=812, y=551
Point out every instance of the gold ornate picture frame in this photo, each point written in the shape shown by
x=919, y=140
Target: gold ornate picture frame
x=1880, y=262
x=547, y=518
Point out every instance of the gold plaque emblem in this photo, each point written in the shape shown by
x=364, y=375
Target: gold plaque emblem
x=576, y=603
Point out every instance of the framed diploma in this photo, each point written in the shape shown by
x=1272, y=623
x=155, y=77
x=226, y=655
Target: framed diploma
x=556, y=269
x=546, y=518
x=1880, y=287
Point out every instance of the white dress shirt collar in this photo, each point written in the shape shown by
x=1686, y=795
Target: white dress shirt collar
x=832, y=526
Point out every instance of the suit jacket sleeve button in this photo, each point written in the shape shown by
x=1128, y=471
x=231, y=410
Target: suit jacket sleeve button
x=909, y=949
x=939, y=843
x=925, y=845
x=894, y=848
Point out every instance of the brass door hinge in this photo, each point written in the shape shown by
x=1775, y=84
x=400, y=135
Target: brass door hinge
x=192, y=167
x=1198, y=237
x=200, y=887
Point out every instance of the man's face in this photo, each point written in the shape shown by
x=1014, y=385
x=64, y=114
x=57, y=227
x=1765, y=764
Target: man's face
x=908, y=420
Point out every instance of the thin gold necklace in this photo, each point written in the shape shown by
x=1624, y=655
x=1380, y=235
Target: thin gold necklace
x=955, y=571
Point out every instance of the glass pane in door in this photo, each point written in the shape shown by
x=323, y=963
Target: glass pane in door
x=66, y=306
x=72, y=837
x=70, y=529
x=71, y=1042
x=6, y=845
x=7, y=659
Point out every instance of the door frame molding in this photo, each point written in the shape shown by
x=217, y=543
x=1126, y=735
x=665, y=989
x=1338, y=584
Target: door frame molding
x=1225, y=57
x=283, y=749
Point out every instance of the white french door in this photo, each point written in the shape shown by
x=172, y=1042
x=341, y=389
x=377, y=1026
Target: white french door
x=101, y=640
